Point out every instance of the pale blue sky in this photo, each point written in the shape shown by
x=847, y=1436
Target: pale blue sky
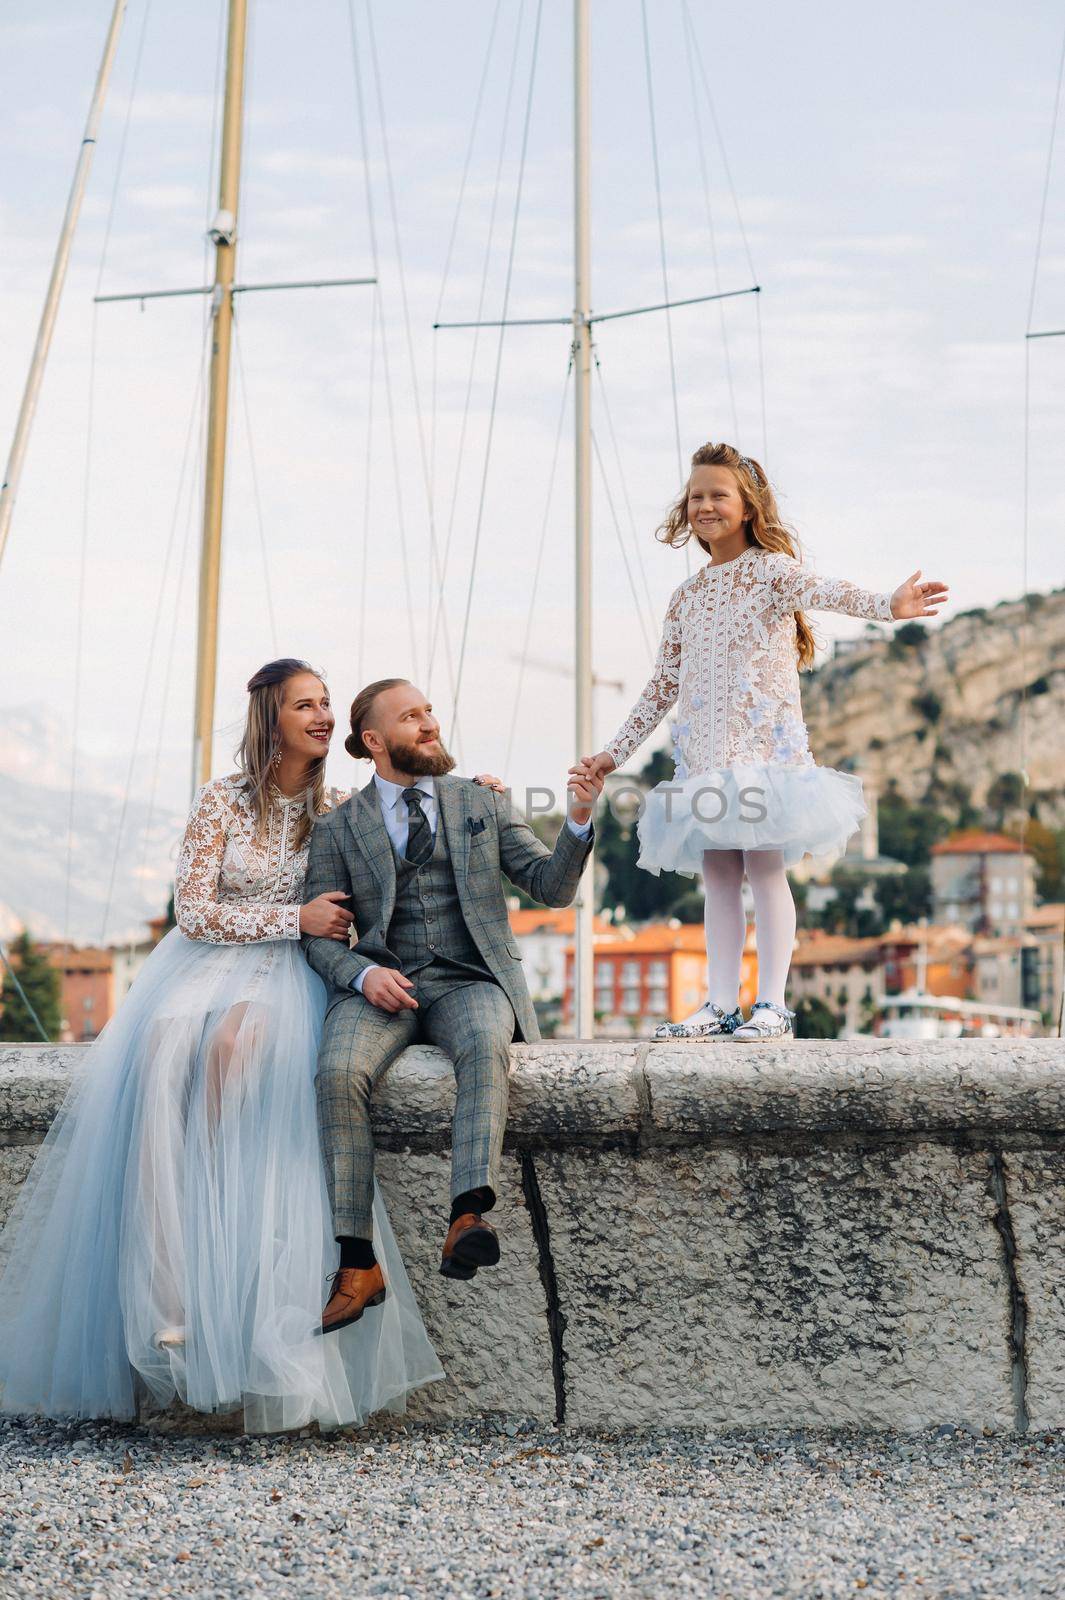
x=889, y=164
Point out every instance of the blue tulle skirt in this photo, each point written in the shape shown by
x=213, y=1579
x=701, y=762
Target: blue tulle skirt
x=181, y=1188
x=796, y=809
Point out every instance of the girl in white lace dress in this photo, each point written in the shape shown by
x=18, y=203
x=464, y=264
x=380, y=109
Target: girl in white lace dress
x=174, y=1235
x=746, y=796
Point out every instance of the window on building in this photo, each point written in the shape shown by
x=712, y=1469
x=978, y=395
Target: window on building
x=658, y=972
x=630, y=972
x=630, y=1000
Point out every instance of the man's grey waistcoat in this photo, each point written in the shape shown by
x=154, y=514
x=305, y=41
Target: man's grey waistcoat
x=351, y=851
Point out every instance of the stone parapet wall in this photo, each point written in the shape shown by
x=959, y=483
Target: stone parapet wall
x=863, y=1232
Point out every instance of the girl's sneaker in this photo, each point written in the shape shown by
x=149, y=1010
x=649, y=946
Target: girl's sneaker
x=766, y=1021
x=709, y=1022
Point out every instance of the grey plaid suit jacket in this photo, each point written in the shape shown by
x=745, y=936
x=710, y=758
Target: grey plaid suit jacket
x=351, y=851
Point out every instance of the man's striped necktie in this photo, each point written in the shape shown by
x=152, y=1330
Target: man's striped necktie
x=419, y=834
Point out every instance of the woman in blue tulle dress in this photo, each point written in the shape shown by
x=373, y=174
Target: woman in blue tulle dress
x=173, y=1237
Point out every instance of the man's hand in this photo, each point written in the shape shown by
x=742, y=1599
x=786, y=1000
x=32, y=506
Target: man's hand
x=325, y=918
x=914, y=599
x=593, y=766
x=387, y=989
x=585, y=786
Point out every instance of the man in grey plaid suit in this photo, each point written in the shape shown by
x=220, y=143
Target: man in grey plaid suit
x=421, y=855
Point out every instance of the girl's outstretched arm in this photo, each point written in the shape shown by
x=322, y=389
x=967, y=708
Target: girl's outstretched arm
x=659, y=694
x=797, y=587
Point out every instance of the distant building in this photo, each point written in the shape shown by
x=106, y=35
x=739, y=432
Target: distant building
x=87, y=990
x=845, y=974
x=985, y=881
x=542, y=937
x=95, y=980
x=657, y=974
x=1025, y=970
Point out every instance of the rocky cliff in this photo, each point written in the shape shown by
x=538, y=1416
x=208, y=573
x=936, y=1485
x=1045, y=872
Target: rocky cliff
x=942, y=707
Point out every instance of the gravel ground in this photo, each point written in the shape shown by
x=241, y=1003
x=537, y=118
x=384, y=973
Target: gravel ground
x=491, y=1509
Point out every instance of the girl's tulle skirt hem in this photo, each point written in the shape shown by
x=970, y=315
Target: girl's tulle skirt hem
x=181, y=1187
x=798, y=810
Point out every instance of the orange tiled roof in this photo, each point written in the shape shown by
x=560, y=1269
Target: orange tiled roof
x=538, y=919
x=658, y=938
x=87, y=960
x=832, y=949
x=1051, y=916
x=975, y=842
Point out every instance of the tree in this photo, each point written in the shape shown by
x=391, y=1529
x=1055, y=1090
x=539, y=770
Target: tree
x=908, y=831
x=907, y=897
x=39, y=981
x=814, y=1020
x=1005, y=794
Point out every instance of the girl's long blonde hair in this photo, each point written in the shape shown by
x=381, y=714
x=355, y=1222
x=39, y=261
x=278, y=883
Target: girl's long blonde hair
x=763, y=521
x=261, y=743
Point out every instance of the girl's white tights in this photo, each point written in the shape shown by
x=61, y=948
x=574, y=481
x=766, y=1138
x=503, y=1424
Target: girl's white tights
x=726, y=925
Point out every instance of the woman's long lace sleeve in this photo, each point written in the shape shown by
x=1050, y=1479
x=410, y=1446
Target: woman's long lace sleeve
x=201, y=911
x=798, y=588
x=660, y=693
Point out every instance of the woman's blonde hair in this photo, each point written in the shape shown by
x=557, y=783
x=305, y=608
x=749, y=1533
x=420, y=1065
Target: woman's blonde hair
x=261, y=743
x=762, y=521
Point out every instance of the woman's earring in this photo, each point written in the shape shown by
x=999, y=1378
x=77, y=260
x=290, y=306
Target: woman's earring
x=275, y=760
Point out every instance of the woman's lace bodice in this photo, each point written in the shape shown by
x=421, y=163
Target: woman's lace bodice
x=235, y=884
x=728, y=662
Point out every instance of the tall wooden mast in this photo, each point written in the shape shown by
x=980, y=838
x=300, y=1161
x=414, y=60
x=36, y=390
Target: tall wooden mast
x=224, y=234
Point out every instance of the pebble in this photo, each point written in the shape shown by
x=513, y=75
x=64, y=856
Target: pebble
x=94, y=1511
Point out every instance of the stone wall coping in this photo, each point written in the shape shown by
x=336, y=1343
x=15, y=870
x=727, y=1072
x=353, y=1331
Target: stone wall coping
x=614, y=1093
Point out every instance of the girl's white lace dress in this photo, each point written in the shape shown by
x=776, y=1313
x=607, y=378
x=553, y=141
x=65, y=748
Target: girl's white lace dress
x=181, y=1185
x=745, y=778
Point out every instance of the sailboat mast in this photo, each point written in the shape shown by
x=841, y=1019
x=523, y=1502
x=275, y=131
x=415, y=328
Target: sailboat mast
x=19, y=444
x=583, y=965
x=224, y=234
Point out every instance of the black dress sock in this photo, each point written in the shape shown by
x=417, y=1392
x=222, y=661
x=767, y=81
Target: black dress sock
x=475, y=1200
x=356, y=1252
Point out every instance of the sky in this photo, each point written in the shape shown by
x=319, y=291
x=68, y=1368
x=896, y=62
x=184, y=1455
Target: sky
x=886, y=169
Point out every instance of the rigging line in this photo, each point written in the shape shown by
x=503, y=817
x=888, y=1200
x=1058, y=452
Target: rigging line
x=499, y=350
x=697, y=51
x=477, y=107
x=647, y=639
x=539, y=565
x=190, y=521
x=79, y=624
x=366, y=487
x=20, y=991
x=460, y=453
x=256, y=495
x=434, y=553
x=622, y=479
x=761, y=374
x=1026, y=497
x=386, y=370
x=146, y=677
x=1046, y=187
x=662, y=232
x=701, y=148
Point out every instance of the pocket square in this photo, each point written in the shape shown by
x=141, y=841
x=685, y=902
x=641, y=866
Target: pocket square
x=476, y=824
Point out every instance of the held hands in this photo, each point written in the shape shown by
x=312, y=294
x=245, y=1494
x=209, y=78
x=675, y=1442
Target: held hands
x=389, y=990
x=586, y=785
x=916, y=599
x=326, y=918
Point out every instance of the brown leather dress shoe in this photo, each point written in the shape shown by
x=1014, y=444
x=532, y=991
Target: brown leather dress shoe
x=471, y=1243
x=352, y=1290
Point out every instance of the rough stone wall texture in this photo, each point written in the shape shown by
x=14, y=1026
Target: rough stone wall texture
x=864, y=1233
